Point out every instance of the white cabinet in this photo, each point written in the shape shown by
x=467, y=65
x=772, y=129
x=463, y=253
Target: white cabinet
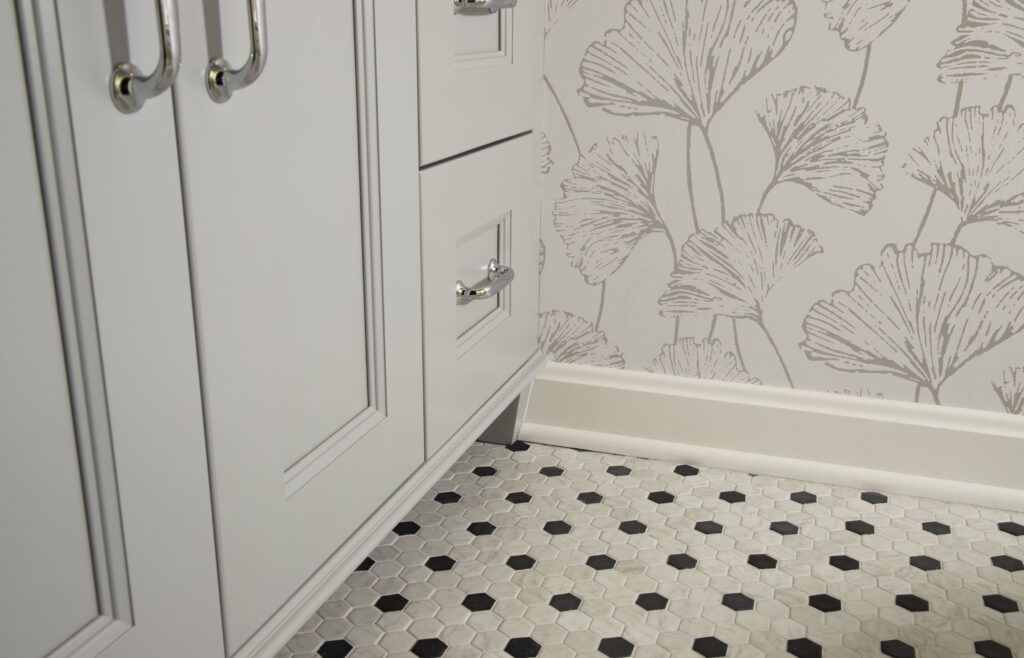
x=217, y=314
x=107, y=545
x=307, y=308
x=478, y=208
x=479, y=75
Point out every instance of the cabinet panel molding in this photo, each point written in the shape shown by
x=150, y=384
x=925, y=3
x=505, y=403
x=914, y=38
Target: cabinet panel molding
x=124, y=316
x=305, y=286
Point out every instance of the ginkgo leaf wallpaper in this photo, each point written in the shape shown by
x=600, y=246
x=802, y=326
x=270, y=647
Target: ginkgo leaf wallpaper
x=819, y=194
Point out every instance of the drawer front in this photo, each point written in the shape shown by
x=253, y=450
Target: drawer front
x=477, y=208
x=479, y=75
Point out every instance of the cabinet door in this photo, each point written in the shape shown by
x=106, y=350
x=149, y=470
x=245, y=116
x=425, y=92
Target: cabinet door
x=308, y=312
x=468, y=220
x=479, y=75
x=107, y=545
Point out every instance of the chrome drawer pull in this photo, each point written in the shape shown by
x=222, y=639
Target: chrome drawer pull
x=498, y=278
x=129, y=89
x=221, y=79
x=482, y=6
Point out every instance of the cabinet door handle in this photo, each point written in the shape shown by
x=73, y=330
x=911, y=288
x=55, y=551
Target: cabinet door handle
x=482, y=6
x=221, y=80
x=498, y=278
x=129, y=88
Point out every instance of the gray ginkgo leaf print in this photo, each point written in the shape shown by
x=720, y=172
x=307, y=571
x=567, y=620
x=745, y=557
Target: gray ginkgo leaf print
x=568, y=338
x=555, y=10
x=858, y=393
x=731, y=270
x=1010, y=389
x=860, y=22
x=825, y=144
x=977, y=160
x=545, y=154
x=705, y=359
x=684, y=58
x=918, y=316
x=608, y=205
x=989, y=42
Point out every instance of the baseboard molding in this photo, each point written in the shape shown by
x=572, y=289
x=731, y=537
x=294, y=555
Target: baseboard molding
x=923, y=450
x=291, y=616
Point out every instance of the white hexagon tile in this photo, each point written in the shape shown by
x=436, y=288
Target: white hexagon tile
x=529, y=550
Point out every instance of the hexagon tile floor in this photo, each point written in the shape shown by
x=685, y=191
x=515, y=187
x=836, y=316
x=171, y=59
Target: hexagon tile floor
x=529, y=550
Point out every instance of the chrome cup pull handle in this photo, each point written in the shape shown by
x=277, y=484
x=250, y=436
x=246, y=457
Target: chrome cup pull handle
x=482, y=6
x=221, y=80
x=129, y=88
x=498, y=278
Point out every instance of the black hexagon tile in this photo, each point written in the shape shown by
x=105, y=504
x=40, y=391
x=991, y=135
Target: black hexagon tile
x=429, y=648
x=1012, y=528
x=392, y=603
x=481, y=528
x=652, y=601
x=992, y=649
x=912, y=603
x=1008, y=563
x=708, y=527
x=681, y=561
x=874, y=497
x=615, y=647
x=522, y=647
x=557, y=528
x=738, y=601
x=844, y=562
x=520, y=562
x=565, y=602
x=710, y=647
x=803, y=497
x=334, y=649
x=600, y=562
x=406, y=528
x=825, y=603
x=732, y=496
x=859, y=527
x=762, y=561
x=447, y=497
x=517, y=497
x=632, y=527
x=804, y=648
x=1000, y=603
x=936, y=528
x=925, y=563
x=783, y=528
x=661, y=497
x=535, y=551
x=478, y=602
x=897, y=649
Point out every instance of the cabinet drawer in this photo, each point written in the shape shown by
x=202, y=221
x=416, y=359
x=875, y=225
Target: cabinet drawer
x=479, y=75
x=476, y=208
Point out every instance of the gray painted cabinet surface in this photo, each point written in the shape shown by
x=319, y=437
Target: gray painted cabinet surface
x=215, y=316
x=307, y=308
x=478, y=75
x=108, y=545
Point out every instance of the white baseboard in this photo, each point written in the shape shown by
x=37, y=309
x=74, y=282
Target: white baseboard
x=291, y=616
x=945, y=453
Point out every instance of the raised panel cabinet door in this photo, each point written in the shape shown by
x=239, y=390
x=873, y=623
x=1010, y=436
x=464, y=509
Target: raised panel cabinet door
x=107, y=542
x=470, y=219
x=304, y=270
x=480, y=75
